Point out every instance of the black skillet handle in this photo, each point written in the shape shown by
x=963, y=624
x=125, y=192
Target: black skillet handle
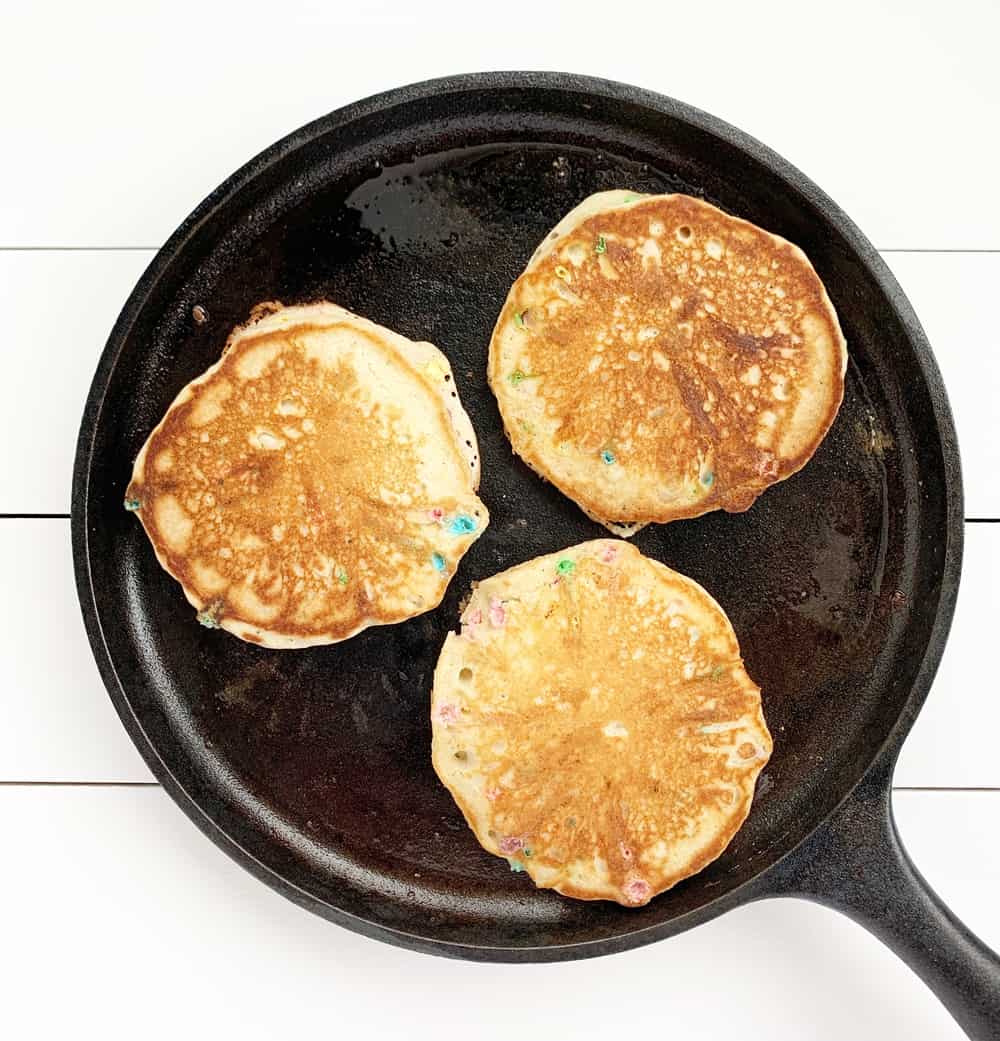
x=856, y=864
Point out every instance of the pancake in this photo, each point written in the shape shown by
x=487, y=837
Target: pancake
x=595, y=724
x=318, y=479
x=659, y=359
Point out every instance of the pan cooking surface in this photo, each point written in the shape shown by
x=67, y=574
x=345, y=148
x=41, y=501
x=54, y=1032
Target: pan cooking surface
x=316, y=763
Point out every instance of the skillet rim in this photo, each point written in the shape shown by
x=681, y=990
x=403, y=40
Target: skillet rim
x=755, y=886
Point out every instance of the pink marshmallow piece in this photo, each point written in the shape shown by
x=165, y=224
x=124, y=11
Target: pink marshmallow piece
x=498, y=613
x=637, y=891
x=511, y=844
x=447, y=714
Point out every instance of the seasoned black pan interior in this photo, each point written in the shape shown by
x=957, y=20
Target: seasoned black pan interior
x=418, y=210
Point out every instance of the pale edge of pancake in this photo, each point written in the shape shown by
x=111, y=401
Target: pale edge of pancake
x=415, y=356
x=623, y=198
x=472, y=801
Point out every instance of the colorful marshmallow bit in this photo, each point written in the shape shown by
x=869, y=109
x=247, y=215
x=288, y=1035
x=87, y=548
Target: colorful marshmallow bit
x=462, y=524
x=566, y=566
x=132, y=505
x=607, y=456
x=636, y=890
x=437, y=561
x=471, y=624
x=447, y=713
x=498, y=613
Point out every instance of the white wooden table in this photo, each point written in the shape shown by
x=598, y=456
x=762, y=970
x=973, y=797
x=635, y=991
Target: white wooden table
x=119, y=918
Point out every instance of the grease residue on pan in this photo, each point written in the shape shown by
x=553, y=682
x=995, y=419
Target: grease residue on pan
x=445, y=198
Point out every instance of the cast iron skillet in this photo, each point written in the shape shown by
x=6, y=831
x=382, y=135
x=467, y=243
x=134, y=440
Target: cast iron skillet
x=417, y=208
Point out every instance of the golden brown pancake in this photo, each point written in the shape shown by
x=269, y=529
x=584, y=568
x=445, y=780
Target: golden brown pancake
x=318, y=479
x=659, y=359
x=595, y=724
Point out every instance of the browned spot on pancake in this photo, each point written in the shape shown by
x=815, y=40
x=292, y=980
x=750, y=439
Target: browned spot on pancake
x=692, y=396
x=688, y=308
x=743, y=341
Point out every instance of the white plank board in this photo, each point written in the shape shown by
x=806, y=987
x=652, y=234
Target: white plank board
x=59, y=724
x=951, y=743
x=59, y=308
x=126, y=116
x=130, y=916
x=952, y=294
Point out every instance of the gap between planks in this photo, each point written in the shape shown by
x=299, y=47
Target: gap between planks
x=80, y=784
x=155, y=249
x=156, y=784
x=66, y=516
